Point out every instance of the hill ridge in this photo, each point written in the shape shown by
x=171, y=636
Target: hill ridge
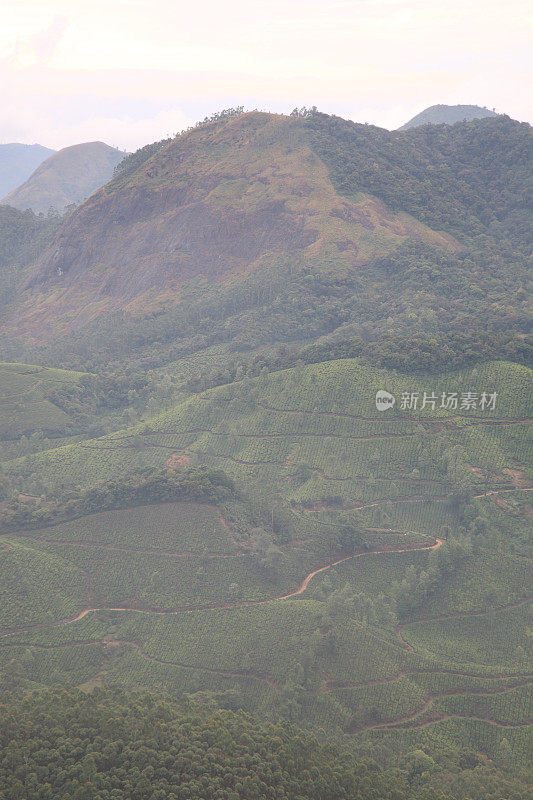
x=66, y=177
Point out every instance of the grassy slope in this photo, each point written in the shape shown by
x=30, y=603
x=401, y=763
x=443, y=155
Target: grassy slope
x=260, y=429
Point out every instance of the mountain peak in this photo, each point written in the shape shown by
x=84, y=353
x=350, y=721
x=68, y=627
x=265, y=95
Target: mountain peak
x=447, y=115
x=66, y=177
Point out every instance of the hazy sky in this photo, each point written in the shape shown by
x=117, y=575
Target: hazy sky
x=132, y=71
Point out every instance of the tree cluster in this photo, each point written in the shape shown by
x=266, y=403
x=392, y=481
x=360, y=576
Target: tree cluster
x=201, y=484
x=67, y=745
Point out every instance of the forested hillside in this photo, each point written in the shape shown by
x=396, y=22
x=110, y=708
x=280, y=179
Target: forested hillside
x=113, y=746
x=23, y=236
x=263, y=229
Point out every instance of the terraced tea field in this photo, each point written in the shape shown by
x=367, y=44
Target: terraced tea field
x=415, y=631
x=24, y=403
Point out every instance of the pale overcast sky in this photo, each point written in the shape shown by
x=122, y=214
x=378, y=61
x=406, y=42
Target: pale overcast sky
x=129, y=72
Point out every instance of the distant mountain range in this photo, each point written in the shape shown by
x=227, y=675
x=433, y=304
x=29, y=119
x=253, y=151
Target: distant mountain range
x=17, y=162
x=66, y=177
x=447, y=115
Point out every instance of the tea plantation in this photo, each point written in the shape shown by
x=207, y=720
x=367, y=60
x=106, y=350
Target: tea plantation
x=369, y=577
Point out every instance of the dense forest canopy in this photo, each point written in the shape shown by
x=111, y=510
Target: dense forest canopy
x=468, y=179
x=67, y=745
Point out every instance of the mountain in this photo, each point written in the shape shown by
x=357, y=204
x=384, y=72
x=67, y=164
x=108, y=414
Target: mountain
x=447, y=115
x=66, y=177
x=252, y=210
x=215, y=204
x=17, y=162
x=209, y=502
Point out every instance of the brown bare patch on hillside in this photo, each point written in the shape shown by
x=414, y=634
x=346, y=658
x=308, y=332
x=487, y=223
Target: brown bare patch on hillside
x=517, y=477
x=177, y=461
x=212, y=204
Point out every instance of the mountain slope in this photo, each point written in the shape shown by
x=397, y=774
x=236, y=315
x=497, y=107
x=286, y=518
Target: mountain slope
x=23, y=236
x=447, y=115
x=27, y=395
x=215, y=203
x=17, y=162
x=267, y=228
x=227, y=512
x=66, y=177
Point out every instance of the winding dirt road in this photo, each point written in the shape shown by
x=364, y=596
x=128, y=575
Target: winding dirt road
x=188, y=610
x=417, y=719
